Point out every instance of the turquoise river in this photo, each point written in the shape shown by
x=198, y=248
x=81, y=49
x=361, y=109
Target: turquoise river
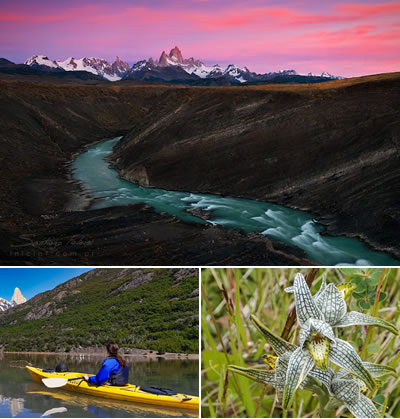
x=291, y=226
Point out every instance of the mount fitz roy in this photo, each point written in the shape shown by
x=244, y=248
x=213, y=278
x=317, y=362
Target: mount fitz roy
x=171, y=68
x=16, y=299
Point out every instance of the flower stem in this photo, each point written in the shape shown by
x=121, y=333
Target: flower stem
x=374, y=311
x=378, y=291
x=327, y=405
x=260, y=400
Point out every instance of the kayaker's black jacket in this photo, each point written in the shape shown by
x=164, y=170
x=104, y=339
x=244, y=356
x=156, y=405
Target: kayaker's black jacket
x=111, y=371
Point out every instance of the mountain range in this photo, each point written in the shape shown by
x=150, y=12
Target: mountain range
x=16, y=299
x=154, y=309
x=169, y=68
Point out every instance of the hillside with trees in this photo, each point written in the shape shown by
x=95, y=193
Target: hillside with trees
x=154, y=309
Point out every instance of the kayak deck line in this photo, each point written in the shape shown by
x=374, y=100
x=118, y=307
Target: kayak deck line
x=130, y=392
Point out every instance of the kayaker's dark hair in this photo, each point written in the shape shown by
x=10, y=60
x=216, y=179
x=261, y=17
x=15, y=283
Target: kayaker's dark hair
x=113, y=348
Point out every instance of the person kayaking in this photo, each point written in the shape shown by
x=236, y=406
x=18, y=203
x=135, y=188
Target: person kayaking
x=115, y=369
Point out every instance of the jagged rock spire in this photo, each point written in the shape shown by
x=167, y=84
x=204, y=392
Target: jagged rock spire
x=17, y=297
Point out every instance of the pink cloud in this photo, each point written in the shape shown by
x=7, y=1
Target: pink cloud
x=368, y=10
x=11, y=17
x=268, y=37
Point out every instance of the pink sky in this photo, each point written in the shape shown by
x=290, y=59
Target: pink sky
x=344, y=38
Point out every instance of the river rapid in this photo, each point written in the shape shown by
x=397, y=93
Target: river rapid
x=293, y=227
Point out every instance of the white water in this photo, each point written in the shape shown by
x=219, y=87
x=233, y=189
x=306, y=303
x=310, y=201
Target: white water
x=275, y=221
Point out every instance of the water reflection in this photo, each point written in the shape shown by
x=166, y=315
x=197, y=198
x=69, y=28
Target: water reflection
x=15, y=406
x=21, y=397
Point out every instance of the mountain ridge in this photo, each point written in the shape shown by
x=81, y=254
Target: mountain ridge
x=194, y=70
x=138, y=308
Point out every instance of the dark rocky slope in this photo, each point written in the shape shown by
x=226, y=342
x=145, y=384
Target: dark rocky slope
x=42, y=212
x=332, y=149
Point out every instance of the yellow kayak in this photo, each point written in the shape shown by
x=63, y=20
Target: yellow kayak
x=129, y=392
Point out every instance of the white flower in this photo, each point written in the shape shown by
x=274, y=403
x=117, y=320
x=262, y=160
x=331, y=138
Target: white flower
x=317, y=317
x=298, y=365
x=348, y=389
x=342, y=386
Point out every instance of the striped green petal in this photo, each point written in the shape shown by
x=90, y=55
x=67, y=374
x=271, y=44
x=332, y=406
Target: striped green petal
x=300, y=365
x=321, y=288
x=331, y=303
x=363, y=408
x=347, y=391
x=354, y=318
x=343, y=354
x=305, y=305
x=324, y=376
x=279, y=345
x=262, y=376
x=377, y=370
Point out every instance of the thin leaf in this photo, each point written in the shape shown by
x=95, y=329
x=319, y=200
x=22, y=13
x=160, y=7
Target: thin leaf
x=300, y=365
x=279, y=345
x=363, y=408
x=332, y=305
x=305, y=305
x=354, y=318
x=343, y=354
x=238, y=317
x=373, y=348
x=211, y=407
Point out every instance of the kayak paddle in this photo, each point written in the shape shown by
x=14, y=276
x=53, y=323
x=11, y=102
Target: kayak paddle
x=58, y=382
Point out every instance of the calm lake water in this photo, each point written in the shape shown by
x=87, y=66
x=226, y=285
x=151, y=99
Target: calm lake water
x=275, y=221
x=21, y=397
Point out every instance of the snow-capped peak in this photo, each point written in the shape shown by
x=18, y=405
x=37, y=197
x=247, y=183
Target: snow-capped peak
x=36, y=60
x=98, y=66
x=17, y=298
x=326, y=75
